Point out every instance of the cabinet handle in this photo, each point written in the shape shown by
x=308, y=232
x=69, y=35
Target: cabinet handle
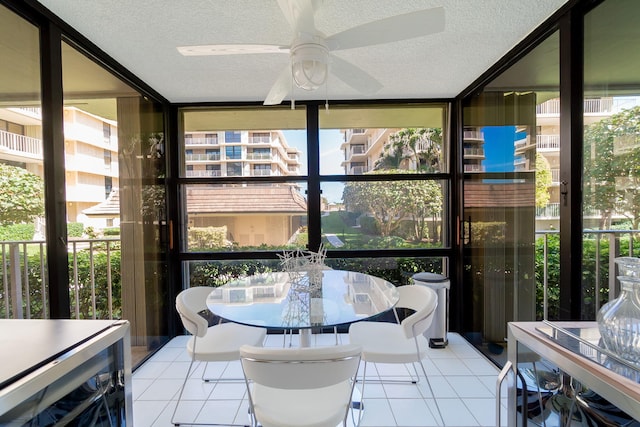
x=500, y=380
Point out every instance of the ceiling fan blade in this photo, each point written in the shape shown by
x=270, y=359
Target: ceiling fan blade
x=394, y=28
x=354, y=76
x=299, y=14
x=280, y=88
x=231, y=49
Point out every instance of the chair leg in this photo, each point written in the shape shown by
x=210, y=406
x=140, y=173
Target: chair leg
x=424, y=371
x=364, y=376
x=173, y=416
x=184, y=384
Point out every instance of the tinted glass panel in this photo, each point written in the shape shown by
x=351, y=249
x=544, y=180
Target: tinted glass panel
x=611, y=180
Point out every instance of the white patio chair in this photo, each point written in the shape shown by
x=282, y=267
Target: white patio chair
x=300, y=387
x=400, y=342
x=218, y=343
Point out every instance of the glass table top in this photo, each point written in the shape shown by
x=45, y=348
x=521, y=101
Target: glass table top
x=585, y=341
x=303, y=300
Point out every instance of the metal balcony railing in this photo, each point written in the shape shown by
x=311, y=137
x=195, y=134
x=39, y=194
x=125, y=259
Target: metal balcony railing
x=201, y=141
x=94, y=281
x=601, y=248
x=95, y=285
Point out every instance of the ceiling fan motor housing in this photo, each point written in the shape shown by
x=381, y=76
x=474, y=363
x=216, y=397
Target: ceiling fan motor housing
x=309, y=63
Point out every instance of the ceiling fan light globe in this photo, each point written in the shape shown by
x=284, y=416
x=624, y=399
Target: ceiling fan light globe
x=309, y=66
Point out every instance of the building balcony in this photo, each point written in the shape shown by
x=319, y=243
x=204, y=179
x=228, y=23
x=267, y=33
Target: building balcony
x=259, y=140
x=598, y=106
x=473, y=168
x=357, y=170
x=259, y=156
x=261, y=172
x=548, y=142
x=207, y=157
x=200, y=141
x=356, y=136
x=203, y=173
x=474, y=152
x=473, y=134
x=19, y=146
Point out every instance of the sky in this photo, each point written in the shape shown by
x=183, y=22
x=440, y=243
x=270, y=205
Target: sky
x=331, y=158
x=499, y=148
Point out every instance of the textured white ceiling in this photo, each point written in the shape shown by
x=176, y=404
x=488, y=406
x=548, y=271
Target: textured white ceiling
x=143, y=35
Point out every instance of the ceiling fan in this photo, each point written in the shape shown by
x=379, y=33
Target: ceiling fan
x=310, y=51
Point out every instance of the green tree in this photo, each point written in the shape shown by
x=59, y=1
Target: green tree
x=423, y=200
x=543, y=181
x=421, y=146
x=612, y=167
x=383, y=200
x=391, y=202
x=21, y=195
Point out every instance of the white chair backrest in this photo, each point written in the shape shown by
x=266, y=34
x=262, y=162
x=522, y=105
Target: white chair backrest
x=421, y=299
x=300, y=368
x=188, y=304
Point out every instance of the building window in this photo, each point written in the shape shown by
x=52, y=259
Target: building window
x=234, y=152
x=261, y=170
x=106, y=132
x=213, y=154
x=213, y=170
x=234, y=169
x=211, y=138
x=108, y=186
x=232, y=136
x=107, y=159
x=260, y=138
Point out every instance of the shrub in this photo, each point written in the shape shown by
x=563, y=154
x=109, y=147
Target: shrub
x=369, y=225
x=17, y=232
x=112, y=231
x=75, y=229
x=208, y=237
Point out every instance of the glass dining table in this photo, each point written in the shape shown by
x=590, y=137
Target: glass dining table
x=303, y=300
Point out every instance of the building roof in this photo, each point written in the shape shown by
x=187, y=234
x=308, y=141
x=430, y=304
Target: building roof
x=504, y=195
x=216, y=200
x=243, y=200
x=110, y=208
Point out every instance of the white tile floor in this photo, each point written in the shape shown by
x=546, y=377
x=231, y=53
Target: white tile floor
x=462, y=379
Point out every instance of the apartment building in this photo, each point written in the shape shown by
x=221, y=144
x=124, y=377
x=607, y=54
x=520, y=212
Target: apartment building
x=362, y=148
x=548, y=145
x=91, y=157
x=239, y=153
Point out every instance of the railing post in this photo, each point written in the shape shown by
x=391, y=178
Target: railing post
x=598, y=275
x=545, y=280
x=16, y=280
x=614, y=251
x=27, y=288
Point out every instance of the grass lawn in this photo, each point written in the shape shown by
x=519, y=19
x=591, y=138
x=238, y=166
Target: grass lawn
x=335, y=224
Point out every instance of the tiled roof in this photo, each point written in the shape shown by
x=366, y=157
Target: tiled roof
x=256, y=199
x=484, y=195
x=281, y=199
x=108, y=208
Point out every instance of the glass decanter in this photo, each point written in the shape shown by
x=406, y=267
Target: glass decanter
x=619, y=319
